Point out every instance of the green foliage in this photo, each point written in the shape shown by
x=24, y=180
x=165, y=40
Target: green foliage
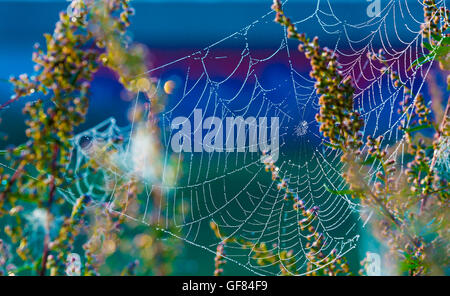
x=415, y=232
x=438, y=51
x=41, y=229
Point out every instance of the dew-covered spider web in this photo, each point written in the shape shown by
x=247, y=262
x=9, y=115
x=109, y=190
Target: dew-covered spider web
x=232, y=189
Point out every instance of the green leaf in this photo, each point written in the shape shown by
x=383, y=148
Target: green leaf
x=436, y=37
x=419, y=61
x=418, y=128
x=442, y=51
x=370, y=160
x=428, y=46
x=342, y=192
x=332, y=145
x=446, y=41
x=17, y=149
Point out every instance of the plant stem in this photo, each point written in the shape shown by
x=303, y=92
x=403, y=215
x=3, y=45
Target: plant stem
x=433, y=161
x=388, y=214
x=14, y=178
x=10, y=101
x=49, y=206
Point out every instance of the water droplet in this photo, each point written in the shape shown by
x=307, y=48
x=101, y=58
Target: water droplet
x=85, y=142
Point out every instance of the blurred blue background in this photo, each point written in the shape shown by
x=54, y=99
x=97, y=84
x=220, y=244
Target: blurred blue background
x=171, y=29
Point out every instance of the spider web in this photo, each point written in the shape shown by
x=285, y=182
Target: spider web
x=232, y=188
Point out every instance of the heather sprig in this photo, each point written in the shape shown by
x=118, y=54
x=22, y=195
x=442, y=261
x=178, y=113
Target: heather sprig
x=219, y=260
x=398, y=222
x=319, y=261
x=339, y=123
x=93, y=37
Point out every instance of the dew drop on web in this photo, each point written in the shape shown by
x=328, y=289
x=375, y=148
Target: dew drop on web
x=85, y=142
